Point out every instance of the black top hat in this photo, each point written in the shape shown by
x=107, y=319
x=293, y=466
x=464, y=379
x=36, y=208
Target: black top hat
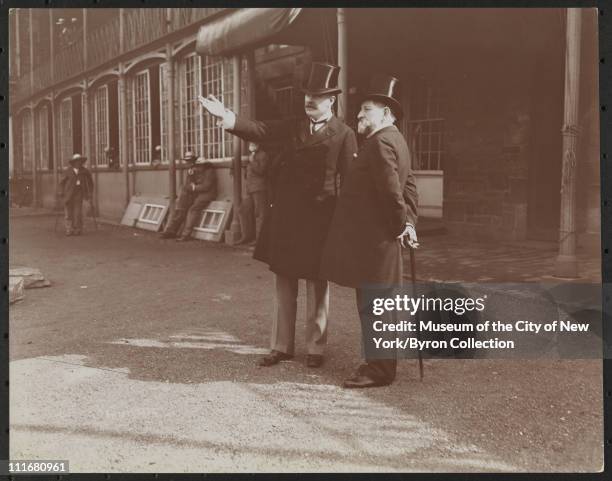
x=77, y=158
x=385, y=89
x=323, y=79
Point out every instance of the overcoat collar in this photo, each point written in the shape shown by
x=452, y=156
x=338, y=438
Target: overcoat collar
x=306, y=139
x=388, y=128
x=365, y=141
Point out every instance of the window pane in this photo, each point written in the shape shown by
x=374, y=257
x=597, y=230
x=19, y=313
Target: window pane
x=142, y=120
x=190, y=109
x=163, y=115
x=101, y=124
x=65, y=131
x=27, y=136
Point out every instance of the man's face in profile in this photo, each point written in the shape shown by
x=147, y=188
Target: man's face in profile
x=370, y=117
x=316, y=106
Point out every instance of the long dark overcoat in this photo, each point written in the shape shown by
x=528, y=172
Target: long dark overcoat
x=305, y=184
x=378, y=197
x=68, y=183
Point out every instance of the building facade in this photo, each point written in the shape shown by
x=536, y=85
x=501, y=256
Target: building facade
x=485, y=95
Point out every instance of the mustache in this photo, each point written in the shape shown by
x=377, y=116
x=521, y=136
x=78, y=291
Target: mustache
x=311, y=106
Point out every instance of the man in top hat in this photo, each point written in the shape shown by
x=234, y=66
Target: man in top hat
x=305, y=184
x=75, y=185
x=375, y=217
x=199, y=190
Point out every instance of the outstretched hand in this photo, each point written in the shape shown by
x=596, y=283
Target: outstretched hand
x=212, y=105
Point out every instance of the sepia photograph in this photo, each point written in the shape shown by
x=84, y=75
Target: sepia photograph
x=305, y=240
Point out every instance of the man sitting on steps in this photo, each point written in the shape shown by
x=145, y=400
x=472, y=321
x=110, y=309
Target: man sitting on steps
x=199, y=190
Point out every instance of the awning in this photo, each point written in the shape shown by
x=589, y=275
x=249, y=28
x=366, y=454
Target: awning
x=244, y=27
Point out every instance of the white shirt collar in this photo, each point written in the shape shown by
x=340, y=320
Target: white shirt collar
x=323, y=118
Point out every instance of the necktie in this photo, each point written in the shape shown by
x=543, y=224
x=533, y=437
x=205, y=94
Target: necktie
x=313, y=125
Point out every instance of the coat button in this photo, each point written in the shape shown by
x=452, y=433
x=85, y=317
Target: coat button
x=271, y=205
x=355, y=155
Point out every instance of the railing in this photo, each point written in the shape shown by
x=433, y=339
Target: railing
x=103, y=43
x=182, y=17
x=141, y=27
x=426, y=139
x=69, y=61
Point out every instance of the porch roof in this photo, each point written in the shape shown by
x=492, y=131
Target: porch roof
x=249, y=28
x=243, y=27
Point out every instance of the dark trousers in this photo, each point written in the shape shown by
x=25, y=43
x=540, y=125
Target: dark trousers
x=188, y=208
x=73, y=212
x=381, y=370
x=252, y=212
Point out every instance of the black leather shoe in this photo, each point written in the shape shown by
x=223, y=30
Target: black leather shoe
x=274, y=358
x=359, y=381
x=314, y=360
x=167, y=235
x=184, y=238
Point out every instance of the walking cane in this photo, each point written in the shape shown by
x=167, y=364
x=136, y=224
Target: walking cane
x=416, y=314
x=92, y=208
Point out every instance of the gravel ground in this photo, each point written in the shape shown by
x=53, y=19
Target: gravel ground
x=116, y=285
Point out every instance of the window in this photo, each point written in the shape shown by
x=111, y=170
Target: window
x=65, y=131
x=42, y=138
x=284, y=97
x=211, y=221
x=425, y=127
x=163, y=114
x=199, y=132
x=190, y=110
x=152, y=213
x=101, y=130
x=28, y=141
x=142, y=119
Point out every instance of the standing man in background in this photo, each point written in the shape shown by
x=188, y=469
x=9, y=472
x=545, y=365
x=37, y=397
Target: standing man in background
x=318, y=148
x=375, y=217
x=75, y=186
x=254, y=206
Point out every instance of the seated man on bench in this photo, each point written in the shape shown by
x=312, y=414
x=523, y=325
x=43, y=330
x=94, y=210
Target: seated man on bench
x=199, y=190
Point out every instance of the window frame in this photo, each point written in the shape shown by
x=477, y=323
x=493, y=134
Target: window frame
x=62, y=137
x=163, y=114
x=104, y=162
x=149, y=152
x=27, y=142
x=221, y=147
x=41, y=137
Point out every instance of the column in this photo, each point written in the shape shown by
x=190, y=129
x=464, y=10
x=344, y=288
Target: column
x=171, y=124
x=84, y=39
x=52, y=49
x=54, y=133
x=343, y=63
x=233, y=234
x=87, y=148
x=32, y=116
x=123, y=113
x=567, y=264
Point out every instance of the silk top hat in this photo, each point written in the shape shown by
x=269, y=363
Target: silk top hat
x=77, y=158
x=323, y=79
x=385, y=89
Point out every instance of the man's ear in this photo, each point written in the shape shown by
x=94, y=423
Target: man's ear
x=333, y=99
